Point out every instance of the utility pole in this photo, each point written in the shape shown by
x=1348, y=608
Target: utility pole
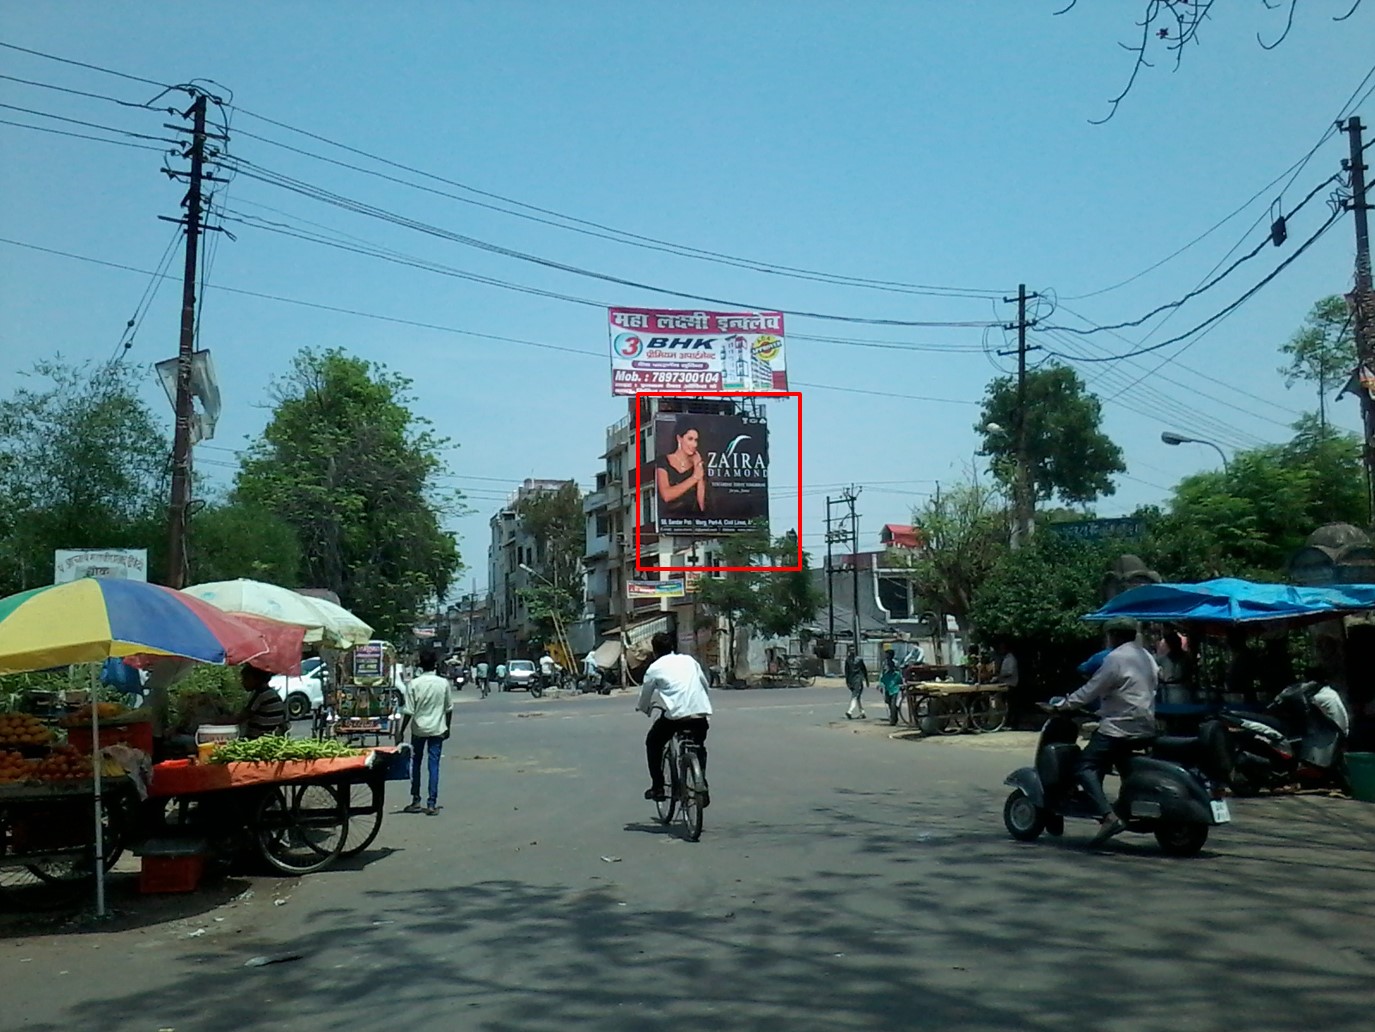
x=181, y=448
x=850, y=497
x=1363, y=304
x=1023, y=511
x=830, y=570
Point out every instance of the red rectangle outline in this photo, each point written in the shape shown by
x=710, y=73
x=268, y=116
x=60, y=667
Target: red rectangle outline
x=639, y=486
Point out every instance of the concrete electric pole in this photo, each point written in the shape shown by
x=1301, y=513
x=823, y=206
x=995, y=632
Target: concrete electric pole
x=1363, y=299
x=1023, y=509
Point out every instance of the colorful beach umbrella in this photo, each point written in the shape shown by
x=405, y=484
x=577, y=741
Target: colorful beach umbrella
x=97, y=618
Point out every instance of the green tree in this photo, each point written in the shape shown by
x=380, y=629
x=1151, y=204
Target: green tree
x=1068, y=455
x=965, y=533
x=1323, y=351
x=82, y=465
x=236, y=539
x=346, y=463
x=772, y=603
x=1248, y=521
x=556, y=522
x=1038, y=593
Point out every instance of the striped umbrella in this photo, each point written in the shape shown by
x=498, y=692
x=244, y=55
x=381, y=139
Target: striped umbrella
x=94, y=619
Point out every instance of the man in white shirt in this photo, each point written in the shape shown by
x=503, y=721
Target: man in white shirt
x=428, y=712
x=547, y=669
x=676, y=684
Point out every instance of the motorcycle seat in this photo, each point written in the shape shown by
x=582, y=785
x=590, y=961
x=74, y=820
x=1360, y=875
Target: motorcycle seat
x=1208, y=751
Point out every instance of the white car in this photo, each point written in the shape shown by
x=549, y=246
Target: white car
x=304, y=694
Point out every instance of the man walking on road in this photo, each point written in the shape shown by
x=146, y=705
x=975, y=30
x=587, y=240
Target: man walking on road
x=856, y=679
x=428, y=711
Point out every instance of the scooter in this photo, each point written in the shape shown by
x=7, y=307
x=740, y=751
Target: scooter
x=1177, y=792
x=1299, y=740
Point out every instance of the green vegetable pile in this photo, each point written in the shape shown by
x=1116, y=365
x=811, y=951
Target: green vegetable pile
x=275, y=748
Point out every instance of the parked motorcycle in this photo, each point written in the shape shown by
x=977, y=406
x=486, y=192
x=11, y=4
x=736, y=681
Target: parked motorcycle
x=1176, y=792
x=1298, y=741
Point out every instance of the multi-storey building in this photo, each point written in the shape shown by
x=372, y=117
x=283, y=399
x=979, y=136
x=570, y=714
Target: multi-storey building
x=610, y=556
x=510, y=629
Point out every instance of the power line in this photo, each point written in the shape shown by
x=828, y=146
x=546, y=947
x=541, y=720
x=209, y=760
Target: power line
x=282, y=181
x=83, y=136
x=1229, y=308
x=1209, y=283
x=444, y=329
x=1293, y=171
x=83, y=64
x=89, y=125
x=80, y=93
x=150, y=292
x=601, y=230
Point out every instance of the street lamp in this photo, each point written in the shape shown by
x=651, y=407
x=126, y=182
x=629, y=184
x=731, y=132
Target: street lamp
x=1170, y=437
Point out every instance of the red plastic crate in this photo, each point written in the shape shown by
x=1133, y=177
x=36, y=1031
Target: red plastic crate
x=170, y=873
x=138, y=735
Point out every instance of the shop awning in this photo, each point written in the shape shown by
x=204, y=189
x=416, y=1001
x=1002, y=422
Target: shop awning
x=607, y=655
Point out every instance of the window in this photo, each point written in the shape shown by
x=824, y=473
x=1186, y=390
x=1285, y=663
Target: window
x=603, y=525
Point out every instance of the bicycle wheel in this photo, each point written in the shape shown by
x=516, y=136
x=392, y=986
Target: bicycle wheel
x=363, y=827
x=300, y=828
x=668, y=766
x=988, y=711
x=927, y=715
x=693, y=787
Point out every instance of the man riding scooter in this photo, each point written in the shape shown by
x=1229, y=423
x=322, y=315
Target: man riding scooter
x=1124, y=686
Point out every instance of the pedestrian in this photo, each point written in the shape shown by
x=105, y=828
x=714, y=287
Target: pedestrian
x=481, y=674
x=891, y=680
x=1009, y=671
x=501, y=676
x=429, y=713
x=856, y=679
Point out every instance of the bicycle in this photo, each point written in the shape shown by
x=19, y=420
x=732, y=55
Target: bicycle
x=686, y=782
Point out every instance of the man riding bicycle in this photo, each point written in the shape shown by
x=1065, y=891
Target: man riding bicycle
x=676, y=684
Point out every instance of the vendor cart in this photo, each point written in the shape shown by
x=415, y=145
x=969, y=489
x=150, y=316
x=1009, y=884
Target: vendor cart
x=951, y=707
x=363, y=700
x=298, y=815
x=47, y=838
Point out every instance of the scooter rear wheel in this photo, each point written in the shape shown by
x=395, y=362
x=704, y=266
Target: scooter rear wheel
x=1181, y=839
x=1023, y=819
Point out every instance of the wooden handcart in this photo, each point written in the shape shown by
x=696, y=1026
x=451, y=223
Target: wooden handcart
x=298, y=815
x=952, y=707
x=47, y=838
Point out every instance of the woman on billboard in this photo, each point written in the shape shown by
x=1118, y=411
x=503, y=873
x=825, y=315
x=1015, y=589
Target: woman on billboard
x=680, y=476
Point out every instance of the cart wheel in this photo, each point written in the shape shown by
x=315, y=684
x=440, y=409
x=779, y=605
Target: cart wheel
x=300, y=828
x=954, y=716
x=988, y=711
x=928, y=713
x=365, y=816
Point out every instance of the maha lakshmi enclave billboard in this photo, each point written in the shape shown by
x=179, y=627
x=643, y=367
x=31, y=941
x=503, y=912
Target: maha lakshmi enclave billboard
x=654, y=349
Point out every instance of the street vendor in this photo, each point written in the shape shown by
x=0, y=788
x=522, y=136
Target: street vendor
x=265, y=713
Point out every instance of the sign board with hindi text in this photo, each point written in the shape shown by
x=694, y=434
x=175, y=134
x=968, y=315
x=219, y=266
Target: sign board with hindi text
x=687, y=352
x=70, y=564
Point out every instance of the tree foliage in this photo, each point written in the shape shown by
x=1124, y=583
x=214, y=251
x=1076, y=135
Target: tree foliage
x=1248, y=521
x=346, y=463
x=965, y=531
x=555, y=520
x=82, y=465
x=1069, y=456
x=235, y=539
x=770, y=602
x=1323, y=351
x=1039, y=592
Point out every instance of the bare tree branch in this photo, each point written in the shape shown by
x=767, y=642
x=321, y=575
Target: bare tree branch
x=1070, y=6
x=1288, y=24
x=1344, y=17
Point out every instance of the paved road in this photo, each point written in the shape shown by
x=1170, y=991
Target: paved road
x=845, y=880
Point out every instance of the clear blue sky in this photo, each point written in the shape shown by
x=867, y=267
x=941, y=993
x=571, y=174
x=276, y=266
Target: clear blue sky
x=943, y=144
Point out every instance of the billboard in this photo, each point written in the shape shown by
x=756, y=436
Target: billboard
x=710, y=473
x=688, y=352
x=655, y=589
x=71, y=564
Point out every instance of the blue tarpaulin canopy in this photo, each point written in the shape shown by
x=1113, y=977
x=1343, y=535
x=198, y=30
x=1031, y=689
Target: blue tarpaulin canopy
x=1230, y=600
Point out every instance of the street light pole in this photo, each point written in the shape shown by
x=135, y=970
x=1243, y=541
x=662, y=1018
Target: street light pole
x=1169, y=437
